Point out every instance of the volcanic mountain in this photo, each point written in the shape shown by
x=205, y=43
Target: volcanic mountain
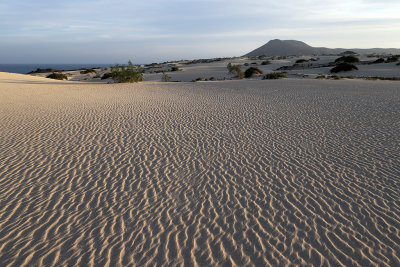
x=292, y=47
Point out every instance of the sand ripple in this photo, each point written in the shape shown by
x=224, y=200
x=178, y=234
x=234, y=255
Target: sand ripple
x=230, y=173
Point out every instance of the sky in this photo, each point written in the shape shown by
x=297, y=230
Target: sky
x=106, y=31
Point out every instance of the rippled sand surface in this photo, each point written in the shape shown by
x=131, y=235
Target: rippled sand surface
x=224, y=173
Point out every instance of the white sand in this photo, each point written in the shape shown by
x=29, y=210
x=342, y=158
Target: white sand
x=236, y=172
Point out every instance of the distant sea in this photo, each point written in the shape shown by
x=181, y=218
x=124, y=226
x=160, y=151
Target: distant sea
x=25, y=68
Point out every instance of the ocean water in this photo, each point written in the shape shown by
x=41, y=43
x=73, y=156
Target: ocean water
x=25, y=68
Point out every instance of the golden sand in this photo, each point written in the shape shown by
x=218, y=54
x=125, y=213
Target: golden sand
x=219, y=173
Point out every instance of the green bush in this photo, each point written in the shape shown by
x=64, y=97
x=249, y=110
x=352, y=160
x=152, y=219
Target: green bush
x=129, y=74
x=347, y=59
x=165, y=77
x=343, y=67
x=274, y=75
x=320, y=76
x=57, y=76
x=235, y=69
x=212, y=79
x=266, y=62
x=175, y=68
x=246, y=64
x=251, y=71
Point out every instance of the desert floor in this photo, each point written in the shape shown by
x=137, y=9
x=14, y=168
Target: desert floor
x=211, y=173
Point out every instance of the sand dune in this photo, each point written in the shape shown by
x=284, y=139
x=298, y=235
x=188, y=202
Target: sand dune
x=219, y=173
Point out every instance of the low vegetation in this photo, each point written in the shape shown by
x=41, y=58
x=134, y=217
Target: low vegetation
x=87, y=71
x=301, y=61
x=393, y=58
x=383, y=78
x=344, y=66
x=346, y=53
x=165, y=77
x=252, y=71
x=266, y=62
x=175, y=68
x=57, y=76
x=274, y=75
x=39, y=70
x=347, y=59
x=106, y=76
x=236, y=70
x=126, y=74
x=379, y=60
x=285, y=68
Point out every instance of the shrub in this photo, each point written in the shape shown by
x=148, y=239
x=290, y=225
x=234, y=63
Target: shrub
x=274, y=75
x=343, y=67
x=86, y=71
x=393, y=58
x=251, y=71
x=301, y=61
x=285, y=68
x=347, y=59
x=165, y=77
x=57, y=76
x=379, y=60
x=235, y=69
x=39, y=70
x=129, y=74
x=212, y=79
x=239, y=73
x=383, y=78
x=175, y=68
x=246, y=64
x=320, y=76
x=398, y=64
x=229, y=67
x=106, y=76
x=266, y=62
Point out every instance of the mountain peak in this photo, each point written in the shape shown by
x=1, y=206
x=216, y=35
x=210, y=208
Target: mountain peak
x=279, y=47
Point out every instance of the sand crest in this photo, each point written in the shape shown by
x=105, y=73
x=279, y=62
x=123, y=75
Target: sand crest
x=221, y=173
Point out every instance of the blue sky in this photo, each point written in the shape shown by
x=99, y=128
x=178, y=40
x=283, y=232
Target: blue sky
x=152, y=31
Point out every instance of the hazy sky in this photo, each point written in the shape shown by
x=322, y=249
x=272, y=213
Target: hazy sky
x=105, y=31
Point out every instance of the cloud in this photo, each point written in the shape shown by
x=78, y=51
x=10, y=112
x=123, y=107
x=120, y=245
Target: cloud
x=142, y=25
